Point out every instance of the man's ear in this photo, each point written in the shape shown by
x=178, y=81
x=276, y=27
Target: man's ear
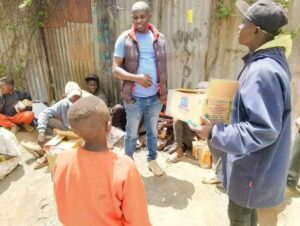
x=257, y=30
x=108, y=127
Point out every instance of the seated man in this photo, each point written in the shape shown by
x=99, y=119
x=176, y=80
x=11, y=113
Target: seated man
x=15, y=107
x=184, y=137
x=118, y=113
x=56, y=115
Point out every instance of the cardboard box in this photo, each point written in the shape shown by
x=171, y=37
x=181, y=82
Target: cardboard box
x=58, y=144
x=67, y=140
x=215, y=104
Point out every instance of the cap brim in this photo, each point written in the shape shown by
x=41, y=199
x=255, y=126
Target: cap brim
x=91, y=78
x=74, y=93
x=242, y=7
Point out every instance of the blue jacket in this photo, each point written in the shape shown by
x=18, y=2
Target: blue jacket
x=256, y=145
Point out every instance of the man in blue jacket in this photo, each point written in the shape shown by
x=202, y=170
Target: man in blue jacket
x=256, y=144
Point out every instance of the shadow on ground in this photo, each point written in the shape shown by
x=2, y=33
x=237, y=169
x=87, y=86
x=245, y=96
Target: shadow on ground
x=269, y=217
x=167, y=191
x=16, y=174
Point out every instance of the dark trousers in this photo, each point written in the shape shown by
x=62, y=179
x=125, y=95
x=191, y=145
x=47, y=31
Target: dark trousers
x=118, y=118
x=183, y=135
x=294, y=170
x=241, y=216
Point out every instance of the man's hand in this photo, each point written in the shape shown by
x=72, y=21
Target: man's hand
x=297, y=122
x=41, y=139
x=144, y=80
x=204, y=130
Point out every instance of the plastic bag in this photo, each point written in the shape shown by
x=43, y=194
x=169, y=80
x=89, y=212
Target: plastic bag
x=7, y=166
x=9, y=146
x=9, y=143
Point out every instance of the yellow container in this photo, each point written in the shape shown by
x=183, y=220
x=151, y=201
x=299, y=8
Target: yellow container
x=201, y=152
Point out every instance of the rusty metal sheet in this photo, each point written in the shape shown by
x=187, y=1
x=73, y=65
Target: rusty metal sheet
x=56, y=14
x=79, y=11
x=70, y=53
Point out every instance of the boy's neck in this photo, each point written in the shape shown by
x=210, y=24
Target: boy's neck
x=96, y=145
x=258, y=43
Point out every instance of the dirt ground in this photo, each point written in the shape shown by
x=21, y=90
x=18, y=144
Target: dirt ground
x=175, y=199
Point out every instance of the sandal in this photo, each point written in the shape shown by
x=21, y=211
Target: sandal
x=174, y=158
x=162, y=143
x=41, y=162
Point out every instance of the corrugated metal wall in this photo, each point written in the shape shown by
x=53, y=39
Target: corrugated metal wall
x=294, y=24
x=185, y=25
x=37, y=76
x=225, y=53
x=69, y=43
x=21, y=48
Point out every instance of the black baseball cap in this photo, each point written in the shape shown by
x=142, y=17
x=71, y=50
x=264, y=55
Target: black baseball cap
x=92, y=77
x=266, y=14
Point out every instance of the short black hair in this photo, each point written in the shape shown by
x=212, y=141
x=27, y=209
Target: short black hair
x=88, y=116
x=87, y=106
x=92, y=77
x=7, y=81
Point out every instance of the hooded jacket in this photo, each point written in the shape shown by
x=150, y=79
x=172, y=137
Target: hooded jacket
x=256, y=145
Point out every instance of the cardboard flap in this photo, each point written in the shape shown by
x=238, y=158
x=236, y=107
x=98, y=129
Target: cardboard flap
x=219, y=88
x=68, y=134
x=54, y=141
x=191, y=90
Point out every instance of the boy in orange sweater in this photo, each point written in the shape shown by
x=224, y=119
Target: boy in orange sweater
x=94, y=186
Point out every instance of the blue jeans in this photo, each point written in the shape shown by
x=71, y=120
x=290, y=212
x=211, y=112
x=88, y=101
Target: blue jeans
x=149, y=108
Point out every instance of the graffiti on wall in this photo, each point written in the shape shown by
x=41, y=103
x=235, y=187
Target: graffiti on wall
x=185, y=42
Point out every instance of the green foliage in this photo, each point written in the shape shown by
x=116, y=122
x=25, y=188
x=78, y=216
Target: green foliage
x=25, y=4
x=19, y=21
x=293, y=33
x=223, y=11
x=2, y=70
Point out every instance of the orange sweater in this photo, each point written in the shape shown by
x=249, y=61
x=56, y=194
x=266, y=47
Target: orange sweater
x=99, y=188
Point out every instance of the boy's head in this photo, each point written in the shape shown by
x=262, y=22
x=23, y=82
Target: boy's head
x=6, y=85
x=92, y=82
x=73, y=92
x=140, y=16
x=89, y=118
x=261, y=21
